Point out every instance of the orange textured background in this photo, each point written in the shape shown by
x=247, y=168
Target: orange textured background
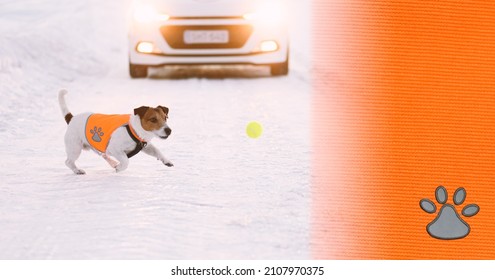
x=404, y=101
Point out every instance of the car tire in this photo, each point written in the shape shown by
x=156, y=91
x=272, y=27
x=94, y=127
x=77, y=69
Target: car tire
x=280, y=69
x=138, y=71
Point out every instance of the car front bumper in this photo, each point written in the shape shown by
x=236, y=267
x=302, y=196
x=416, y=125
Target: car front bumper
x=248, y=53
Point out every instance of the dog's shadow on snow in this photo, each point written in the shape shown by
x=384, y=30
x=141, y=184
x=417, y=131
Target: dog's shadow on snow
x=210, y=72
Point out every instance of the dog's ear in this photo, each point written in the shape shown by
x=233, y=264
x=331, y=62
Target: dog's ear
x=164, y=109
x=141, y=111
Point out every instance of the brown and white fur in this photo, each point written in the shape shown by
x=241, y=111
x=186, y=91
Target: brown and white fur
x=147, y=123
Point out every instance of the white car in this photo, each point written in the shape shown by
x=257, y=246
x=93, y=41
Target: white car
x=201, y=32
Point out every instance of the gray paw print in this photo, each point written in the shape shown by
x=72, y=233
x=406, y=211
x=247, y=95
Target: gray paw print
x=97, y=133
x=448, y=224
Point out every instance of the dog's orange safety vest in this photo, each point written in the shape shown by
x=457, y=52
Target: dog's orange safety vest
x=99, y=129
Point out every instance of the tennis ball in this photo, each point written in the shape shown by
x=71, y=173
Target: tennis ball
x=254, y=130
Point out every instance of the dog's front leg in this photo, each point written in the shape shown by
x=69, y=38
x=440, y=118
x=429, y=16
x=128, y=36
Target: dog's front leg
x=119, y=155
x=154, y=152
x=123, y=161
x=113, y=162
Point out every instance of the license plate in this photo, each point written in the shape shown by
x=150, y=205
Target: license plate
x=206, y=36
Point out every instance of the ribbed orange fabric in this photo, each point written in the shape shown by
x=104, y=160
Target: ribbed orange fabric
x=99, y=129
x=403, y=102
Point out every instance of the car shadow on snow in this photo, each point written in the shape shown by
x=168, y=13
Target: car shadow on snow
x=210, y=72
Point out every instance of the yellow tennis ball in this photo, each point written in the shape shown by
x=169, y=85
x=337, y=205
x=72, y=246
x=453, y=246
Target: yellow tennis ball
x=254, y=129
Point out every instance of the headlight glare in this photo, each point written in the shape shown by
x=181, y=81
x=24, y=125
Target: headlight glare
x=145, y=47
x=146, y=13
x=268, y=14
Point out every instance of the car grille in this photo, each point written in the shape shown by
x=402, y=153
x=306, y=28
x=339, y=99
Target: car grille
x=238, y=36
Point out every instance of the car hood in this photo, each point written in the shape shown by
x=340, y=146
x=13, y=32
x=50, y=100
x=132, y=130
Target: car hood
x=206, y=8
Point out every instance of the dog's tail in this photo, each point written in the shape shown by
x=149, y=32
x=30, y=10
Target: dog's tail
x=63, y=106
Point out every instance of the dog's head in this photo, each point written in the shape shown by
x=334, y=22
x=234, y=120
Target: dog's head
x=154, y=120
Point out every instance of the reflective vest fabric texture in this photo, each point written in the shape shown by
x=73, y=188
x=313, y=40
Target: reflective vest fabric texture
x=99, y=129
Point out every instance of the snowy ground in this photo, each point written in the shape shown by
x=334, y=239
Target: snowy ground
x=228, y=196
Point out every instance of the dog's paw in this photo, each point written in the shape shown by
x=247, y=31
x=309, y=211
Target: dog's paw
x=168, y=163
x=79, y=172
x=119, y=168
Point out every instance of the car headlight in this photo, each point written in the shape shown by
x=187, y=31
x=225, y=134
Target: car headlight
x=146, y=13
x=269, y=13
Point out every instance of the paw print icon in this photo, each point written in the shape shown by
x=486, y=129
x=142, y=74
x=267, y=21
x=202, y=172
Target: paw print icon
x=448, y=225
x=97, y=134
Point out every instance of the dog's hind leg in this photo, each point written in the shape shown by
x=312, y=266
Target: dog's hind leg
x=73, y=151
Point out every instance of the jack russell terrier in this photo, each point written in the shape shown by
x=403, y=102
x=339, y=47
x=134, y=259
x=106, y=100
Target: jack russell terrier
x=115, y=137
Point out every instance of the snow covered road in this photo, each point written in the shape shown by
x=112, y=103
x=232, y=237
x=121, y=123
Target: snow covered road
x=228, y=196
